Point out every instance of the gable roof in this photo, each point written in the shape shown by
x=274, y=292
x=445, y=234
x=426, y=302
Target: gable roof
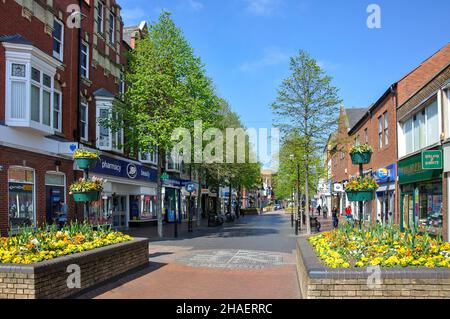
x=354, y=115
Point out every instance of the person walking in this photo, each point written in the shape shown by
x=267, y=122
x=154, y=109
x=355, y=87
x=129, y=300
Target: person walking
x=325, y=211
x=319, y=208
x=348, y=213
x=335, y=216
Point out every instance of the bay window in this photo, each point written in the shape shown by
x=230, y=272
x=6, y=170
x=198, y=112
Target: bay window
x=107, y=138
x=422, y=129
x=57, y=111
x=29, y=87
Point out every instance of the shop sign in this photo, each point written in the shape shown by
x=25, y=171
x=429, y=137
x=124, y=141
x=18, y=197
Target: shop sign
x=125, y=169
x=338, y=188
x=386, y=174
x=410, y=171
x=432, y=159
x=190, y=187
x=67, y=148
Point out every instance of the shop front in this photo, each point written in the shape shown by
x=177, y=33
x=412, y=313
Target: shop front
x=385, y=194
x=129, y=193
x=446, y=149
x=421, y=194
x=171, y=194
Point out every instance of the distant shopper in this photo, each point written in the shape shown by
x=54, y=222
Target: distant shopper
x=319, y=208
x=348, y=213
x=325, y=211
x=62, y=218
x=335, y=216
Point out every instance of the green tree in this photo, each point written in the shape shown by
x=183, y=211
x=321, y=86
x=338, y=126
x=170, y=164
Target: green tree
x=167, y=89
x=308, y=105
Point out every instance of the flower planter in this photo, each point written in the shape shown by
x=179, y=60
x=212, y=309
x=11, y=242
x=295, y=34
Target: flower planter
x=361, y=158
x=361, y=196
x=86, y=196
x=86, y=162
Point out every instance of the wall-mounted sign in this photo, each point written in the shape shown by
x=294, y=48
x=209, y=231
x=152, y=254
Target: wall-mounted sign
x=386, y=174
x=432, y=159
x=125, y=169
x=67, y=148
x=338, y=187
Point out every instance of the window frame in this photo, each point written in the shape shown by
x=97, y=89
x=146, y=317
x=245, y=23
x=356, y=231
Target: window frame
x=100, y=17
x=86, y=122
x=386, y=128
x=59, y=129
x=102, y=104
x=23, y=182
x=112, y=28
x=59, y=56
x=85, y=68
x=152, y=155
x=380, y=132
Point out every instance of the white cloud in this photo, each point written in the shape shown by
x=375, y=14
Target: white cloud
x=133, y=15
x=328, y=65
x=262, y=7
x=271, y=57
x=196, y=5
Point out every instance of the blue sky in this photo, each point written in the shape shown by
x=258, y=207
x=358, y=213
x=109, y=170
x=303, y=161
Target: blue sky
x=246, y=44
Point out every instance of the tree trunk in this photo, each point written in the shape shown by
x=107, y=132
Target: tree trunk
x=308, y=225
x=159, y=197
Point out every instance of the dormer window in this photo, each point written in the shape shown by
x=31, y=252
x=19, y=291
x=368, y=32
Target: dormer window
x=29, y=87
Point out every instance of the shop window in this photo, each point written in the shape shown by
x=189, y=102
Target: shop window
x=430, y=207
x=21, y=197
x=148, y=207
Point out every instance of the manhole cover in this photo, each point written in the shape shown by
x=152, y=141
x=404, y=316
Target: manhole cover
x=240, y=259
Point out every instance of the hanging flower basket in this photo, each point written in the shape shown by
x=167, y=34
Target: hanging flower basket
x=361, y=158
x=361, y=154
x=85, y=159
x=86, y=196
x=361, y=196
x=87, y=190
x=86, y=163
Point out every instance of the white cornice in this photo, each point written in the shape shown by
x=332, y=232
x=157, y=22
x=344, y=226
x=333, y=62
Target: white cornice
x=33, y=51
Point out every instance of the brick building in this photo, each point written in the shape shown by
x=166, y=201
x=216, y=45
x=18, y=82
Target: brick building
x=410, y=117
x=53, y=88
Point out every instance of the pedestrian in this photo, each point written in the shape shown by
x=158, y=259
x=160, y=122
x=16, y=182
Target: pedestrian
x=325, y=211
x=62, y=218
x=335, y=216
x=348, y=213
x=319, y=208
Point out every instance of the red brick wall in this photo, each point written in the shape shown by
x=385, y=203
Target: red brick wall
x=339, y=165
x=41, y=164
x=422, y=74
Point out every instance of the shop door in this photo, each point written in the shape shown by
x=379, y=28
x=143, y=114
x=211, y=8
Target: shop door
x=119, y=206
x=134, y=207
x=54, y=194
x=408, y=211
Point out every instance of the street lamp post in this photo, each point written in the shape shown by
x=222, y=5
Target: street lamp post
x=298, y=225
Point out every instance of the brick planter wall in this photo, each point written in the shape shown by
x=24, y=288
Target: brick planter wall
x=319, y=282
x=48, y=279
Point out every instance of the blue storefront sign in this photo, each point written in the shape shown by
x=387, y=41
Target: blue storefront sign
x=125, y=169
x=386, y=174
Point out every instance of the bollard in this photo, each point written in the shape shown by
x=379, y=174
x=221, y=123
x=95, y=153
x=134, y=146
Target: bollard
x=292, y=220
x=296, y=227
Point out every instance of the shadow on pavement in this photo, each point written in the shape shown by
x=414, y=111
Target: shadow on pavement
x=118, y=281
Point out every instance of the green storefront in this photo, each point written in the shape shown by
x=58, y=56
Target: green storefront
x=420, y=183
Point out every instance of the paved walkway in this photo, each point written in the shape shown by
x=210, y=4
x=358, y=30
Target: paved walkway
x=250, y=258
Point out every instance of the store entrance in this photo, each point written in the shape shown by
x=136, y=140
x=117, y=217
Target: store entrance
x=408, y=210
x=53, y=195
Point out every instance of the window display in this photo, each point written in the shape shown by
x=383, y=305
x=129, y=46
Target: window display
x=148, y=207
x=21, y=197
x=430, y=207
